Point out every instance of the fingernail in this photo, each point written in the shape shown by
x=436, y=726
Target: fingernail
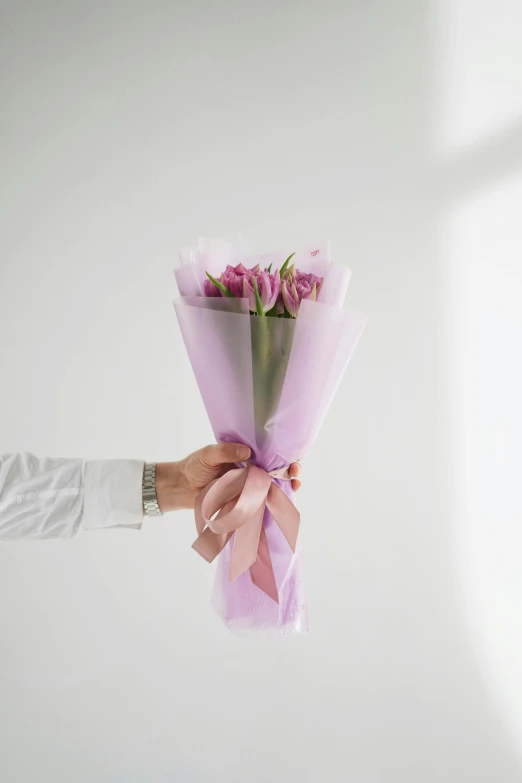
x=243, y=452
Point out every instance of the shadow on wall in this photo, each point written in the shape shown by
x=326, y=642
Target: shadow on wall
x=407, y=190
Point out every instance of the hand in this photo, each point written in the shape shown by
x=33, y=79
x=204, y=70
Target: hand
x=179, y=483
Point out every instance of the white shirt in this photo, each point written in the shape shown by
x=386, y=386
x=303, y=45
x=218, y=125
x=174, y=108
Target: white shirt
x=56, y=498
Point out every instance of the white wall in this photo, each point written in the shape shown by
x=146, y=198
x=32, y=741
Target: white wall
x=128, y=129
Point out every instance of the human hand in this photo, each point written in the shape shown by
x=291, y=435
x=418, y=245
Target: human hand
x=179, y=483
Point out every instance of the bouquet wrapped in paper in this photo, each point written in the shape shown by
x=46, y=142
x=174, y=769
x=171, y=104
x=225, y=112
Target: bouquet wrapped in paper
x=269, y=341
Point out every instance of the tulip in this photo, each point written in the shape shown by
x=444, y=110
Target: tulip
x=290, y=297
x=267, y=292
x=308, y=277
x=233, y=278
x=294, y=288
x=211, y=289
x=229, y=284
x=268, y=288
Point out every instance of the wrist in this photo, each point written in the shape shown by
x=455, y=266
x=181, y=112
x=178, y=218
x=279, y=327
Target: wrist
x=170, y=487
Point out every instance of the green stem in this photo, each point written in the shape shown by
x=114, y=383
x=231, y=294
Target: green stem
x=283, y=268
x=271, y=344
x=259, y=304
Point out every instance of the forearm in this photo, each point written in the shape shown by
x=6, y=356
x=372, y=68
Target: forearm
x=40, y=498
x=56, y=498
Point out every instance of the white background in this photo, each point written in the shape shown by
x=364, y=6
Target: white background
x=129, y=128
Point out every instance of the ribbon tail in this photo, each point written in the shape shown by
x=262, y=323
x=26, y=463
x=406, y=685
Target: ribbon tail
x=210, y=544
x=285, y=514
x=240, y=497
x=262, y=571
x=246, y=542
x=198, y=503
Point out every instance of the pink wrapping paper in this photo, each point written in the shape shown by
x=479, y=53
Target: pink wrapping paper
x=276, y=409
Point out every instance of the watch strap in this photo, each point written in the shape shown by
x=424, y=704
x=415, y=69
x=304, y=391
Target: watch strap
x=150, y=498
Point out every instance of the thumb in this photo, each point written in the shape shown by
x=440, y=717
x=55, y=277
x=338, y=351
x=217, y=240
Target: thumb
x=224, y=453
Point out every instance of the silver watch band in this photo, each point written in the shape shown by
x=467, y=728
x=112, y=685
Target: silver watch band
x=150, y=498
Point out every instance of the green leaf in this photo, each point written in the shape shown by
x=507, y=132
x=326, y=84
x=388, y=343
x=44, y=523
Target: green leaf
x=272, y=312
x=283, y=268
x=269, y=268
x=259, y=306
x=220, y=285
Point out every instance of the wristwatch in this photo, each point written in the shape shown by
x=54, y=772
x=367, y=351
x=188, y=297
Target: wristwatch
x=150, y=498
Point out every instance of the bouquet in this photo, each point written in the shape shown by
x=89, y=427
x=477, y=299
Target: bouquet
x=268, y=341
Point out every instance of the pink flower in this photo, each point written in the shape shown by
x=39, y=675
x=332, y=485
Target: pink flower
x=210, y=289
x=275, y=293
x=237, y=281
x=308, y=278
x=268, y=287
x=297, y=286
x=233, y=277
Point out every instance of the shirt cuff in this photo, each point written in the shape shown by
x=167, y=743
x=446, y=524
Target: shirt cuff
x=113, y=494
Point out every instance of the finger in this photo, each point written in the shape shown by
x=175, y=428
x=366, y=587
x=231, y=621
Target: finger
x=224, y=453
x=295, y=469
x=296, y=484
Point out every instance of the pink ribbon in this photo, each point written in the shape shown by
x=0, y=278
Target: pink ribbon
x=235, y=503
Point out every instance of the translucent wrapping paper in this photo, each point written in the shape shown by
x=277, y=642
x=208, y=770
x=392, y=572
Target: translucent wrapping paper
x=266, y=382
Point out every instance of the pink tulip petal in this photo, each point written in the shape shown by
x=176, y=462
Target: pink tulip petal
x=249, y=293
x=288, y=299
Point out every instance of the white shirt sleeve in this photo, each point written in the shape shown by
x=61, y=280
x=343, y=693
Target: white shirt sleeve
x=56, y=498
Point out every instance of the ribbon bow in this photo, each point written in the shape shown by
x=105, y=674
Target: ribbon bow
x=240, y=498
